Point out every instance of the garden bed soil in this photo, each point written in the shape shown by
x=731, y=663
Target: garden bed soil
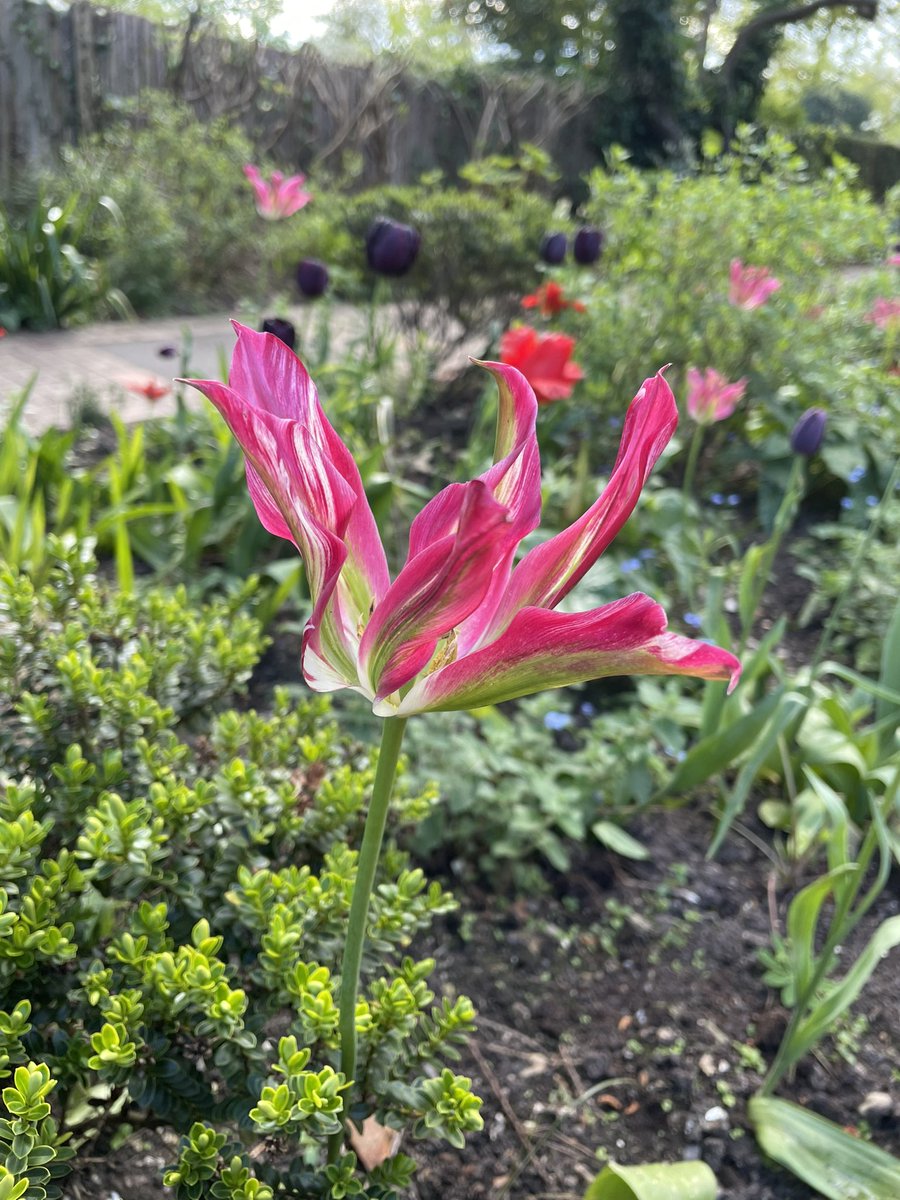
x=622, y=1014
x=625, y=1016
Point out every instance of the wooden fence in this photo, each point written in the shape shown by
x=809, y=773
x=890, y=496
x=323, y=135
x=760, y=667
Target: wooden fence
x=62, y=74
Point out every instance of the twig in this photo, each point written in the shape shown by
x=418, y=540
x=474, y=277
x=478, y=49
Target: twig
x=509, y=1112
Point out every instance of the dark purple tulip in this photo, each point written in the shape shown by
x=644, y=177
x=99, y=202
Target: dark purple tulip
x=167, y=351
x=391, y=248
x=588, y=245
x=312, y=278
x=553, y=249
x=808, y=432
x=282, y=329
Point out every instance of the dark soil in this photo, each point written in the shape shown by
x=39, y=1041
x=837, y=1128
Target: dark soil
x=622, y=1015
x=621, y=1018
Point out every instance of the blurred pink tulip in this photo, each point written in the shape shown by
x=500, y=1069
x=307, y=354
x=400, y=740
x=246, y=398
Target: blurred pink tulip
x=750, y=286
x=280, y=197
x=710, y=396
x=884, y=313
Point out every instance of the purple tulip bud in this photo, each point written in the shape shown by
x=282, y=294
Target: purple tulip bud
x=553, y=249
x=282, y=329
x=588, y=245
x=312, y=278
x=391, y=248
x=808, y=432
x=167, y=351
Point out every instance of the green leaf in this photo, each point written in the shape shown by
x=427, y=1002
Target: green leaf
x=655, y=1181
x=890, y=679
x=832, y=1162
x=713, y=754
x=616, y=839
x=737, y=798
x=839, y=999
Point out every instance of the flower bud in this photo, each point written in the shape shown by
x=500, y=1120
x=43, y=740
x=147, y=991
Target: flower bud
x=553, y=249
x=282, y=329
x=588, y=245
x=391, y=248
x=312, y=278
x=808, y=432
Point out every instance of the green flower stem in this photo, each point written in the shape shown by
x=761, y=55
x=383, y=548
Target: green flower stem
x=369, y=853
x=787, y=510
x=690, y=470
x=849, y=593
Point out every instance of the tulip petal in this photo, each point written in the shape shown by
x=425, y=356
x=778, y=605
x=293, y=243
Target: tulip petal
x=551, y=570
x=270, y=378
x=299, y=493
x=546, y=649
x=435, y=591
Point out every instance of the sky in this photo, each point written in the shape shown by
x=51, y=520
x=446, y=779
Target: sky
x=298, y=20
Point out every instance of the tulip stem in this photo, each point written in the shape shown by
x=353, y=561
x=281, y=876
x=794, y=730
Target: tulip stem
x=369, y=853
x=690, y=469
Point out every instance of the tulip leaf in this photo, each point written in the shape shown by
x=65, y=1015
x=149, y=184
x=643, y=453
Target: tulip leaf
x=784, y=714
x=655, y=1181
x=886, y=710
x=616, y=839
x=714, y=753
x=834, y=1163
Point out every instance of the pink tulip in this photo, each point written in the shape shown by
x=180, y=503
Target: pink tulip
x=460, y=626
x=279, y=198
x=884, y=313
x=750, y=286
x=710, y=396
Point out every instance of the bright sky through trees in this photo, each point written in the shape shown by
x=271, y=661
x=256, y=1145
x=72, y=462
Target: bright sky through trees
x=299, y=19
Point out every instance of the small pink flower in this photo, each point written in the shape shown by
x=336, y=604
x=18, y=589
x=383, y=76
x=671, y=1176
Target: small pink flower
x=894, y=260
x=750, y=286
x=884, y=313
x=710, y=396
x=280, y=197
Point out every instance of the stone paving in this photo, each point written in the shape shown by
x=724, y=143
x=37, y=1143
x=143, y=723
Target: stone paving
x=97, y=362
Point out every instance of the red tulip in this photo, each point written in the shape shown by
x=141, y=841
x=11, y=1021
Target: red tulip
x=543, y=358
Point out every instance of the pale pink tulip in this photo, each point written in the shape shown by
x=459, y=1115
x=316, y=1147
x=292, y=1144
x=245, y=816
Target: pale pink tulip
x=279, y=197
x=710, y=397
x=750, y=287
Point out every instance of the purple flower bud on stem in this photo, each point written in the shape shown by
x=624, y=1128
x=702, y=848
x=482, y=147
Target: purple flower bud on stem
x=312, y=278
x=807, y=434
x=282, y=329
x=588, y=245
x=391, y=248
x=553, y=249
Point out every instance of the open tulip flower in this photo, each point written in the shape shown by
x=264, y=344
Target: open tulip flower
x=280, y=197
x=544, y=359
x=710, y=397
x=750, y=287
x=462, y=624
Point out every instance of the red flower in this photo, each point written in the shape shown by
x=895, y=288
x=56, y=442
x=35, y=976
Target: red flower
x=543, y=358
x=150, y=387
x=550, y=300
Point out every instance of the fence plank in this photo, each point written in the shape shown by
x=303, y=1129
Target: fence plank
x=62, y=73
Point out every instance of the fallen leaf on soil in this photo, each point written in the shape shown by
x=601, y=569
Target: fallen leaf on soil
x=375, y=1143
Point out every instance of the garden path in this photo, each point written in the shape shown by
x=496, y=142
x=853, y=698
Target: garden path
x=96, y=363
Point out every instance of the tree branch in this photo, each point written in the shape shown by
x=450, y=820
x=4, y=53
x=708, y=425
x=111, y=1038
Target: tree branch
x=867, y=9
